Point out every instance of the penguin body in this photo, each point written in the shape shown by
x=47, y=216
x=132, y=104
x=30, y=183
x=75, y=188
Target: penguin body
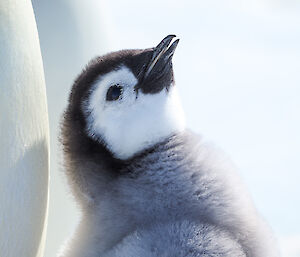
x=24, y=134
x=146, y=185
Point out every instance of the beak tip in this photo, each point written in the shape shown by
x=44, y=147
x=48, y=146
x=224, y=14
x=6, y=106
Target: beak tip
x=170, y=38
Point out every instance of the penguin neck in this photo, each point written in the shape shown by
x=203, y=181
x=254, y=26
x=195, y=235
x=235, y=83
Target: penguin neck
x=113, y=207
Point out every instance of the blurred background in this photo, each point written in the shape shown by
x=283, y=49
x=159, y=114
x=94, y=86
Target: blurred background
x=237, y=68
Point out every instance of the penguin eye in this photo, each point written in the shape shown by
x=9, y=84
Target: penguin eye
x=114, y=93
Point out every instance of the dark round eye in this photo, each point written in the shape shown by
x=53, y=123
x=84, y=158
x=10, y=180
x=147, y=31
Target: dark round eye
x=114, y=93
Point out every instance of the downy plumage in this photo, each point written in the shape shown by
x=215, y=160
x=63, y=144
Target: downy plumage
x=146, y=185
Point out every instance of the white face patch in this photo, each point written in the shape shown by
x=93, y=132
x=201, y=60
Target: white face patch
x=131, y=124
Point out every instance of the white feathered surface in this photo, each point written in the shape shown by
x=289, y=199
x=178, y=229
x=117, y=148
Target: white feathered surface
x=24, y=147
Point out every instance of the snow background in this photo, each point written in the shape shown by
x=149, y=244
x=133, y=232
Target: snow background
x=237, y=68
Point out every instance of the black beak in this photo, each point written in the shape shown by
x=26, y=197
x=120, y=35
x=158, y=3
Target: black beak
x=158, y=71
x=162, y=55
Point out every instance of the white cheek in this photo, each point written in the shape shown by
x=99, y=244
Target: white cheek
x=131, y=125
x=98, y=109
x=152, y=119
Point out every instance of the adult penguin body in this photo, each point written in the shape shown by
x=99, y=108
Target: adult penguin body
x=24, y=129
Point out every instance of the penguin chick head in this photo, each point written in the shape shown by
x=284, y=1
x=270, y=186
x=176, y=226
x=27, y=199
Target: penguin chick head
x=127, y=101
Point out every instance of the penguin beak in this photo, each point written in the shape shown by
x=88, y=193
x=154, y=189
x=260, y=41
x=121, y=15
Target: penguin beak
x=162, y=56
x=158, y=73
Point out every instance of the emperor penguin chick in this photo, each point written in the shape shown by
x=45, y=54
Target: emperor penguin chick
x=146, y=185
